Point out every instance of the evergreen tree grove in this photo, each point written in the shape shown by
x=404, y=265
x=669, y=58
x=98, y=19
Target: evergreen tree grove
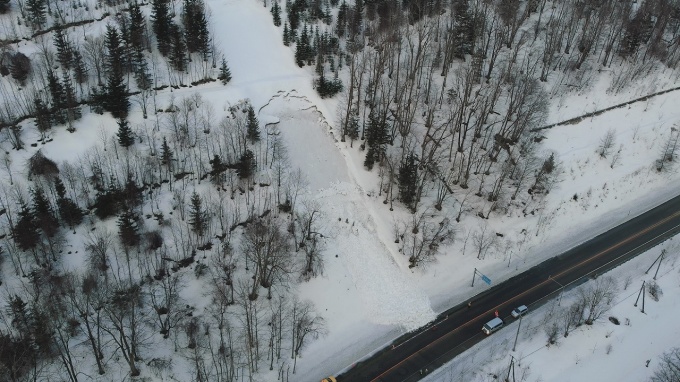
x=196, y=27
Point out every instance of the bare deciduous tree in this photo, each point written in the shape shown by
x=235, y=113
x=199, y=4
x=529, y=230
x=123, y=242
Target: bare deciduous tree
x=124, y=321
x=606, y=143
x=425, y=237
x=306, y=324
x=266, y=247
x=483, y=241
x=597, y=297
x=570, y=317
x=669, y=367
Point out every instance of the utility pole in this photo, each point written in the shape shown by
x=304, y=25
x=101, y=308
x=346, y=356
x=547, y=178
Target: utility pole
x=663, y=253
x=517, y=335
x=642, y=292
x=559, y=300
x=511, y=367
x=659, y=259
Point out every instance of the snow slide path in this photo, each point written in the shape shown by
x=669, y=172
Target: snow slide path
x=388, y=296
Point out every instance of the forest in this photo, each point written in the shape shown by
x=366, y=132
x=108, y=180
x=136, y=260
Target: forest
x=445, y=100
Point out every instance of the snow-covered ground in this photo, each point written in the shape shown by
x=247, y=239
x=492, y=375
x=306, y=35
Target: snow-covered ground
x=368, y=294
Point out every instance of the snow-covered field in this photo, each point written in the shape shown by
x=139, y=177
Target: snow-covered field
x=368, y=295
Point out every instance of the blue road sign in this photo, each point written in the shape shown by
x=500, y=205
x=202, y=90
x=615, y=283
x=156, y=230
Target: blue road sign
x=486, y=279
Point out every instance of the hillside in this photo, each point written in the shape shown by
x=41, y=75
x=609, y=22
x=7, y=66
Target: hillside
x=230, y=190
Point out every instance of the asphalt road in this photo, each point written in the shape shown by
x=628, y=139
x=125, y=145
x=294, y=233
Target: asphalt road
x=460, y=327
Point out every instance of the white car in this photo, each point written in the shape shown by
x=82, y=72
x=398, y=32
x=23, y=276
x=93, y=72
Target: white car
x=519, y=311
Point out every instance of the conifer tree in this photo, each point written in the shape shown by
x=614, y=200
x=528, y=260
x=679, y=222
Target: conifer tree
x=64, y=48
x=328, y=88
x=377, y=136
x=137, y=30
x=302, y=49
x=128, y=229
x=166, y=154
x=225, y=73
x=115, y=60
x=357, y=20
x=197, y=216
x=161, y=23
x=408, y=180
x=253, y=126
x=178, y=52
x=58, y=97
x=4, y=6
x=116, y=100
x=353, y=129
x=20, y=67
x=217, y=169
x=286, y=34
x=25, y=232
x=276, y=14
x=341, y=24
x=44, y=213
x=246, y=166
x=79, y=68
x=131, y=194
x=69, y=211
x=196, y=31
x=143, y=78
x=108, y=201
x=21, y=315
x=42, y=117
x=293, y=17
x=71, y=105
x=319, y=65
x=35, y=11
x=463, y=30
x=97, y=100
x=125, y=137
